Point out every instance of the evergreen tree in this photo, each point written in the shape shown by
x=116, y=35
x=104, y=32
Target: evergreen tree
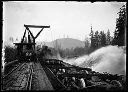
x=99, y=40
x=92, y=38
x=108, y=38
x=87, y=45
x=96, y=39
x=102, y=38
x=11, y=39
x=119, y=34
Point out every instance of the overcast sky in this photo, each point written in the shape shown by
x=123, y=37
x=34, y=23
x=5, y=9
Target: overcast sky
x=65, y=18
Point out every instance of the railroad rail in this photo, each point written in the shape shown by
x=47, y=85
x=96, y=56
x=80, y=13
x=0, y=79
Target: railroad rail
x=29, y=82
x=18, y=78
x=9, y=66
x=13, y=70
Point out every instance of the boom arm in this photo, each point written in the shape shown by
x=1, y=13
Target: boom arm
x=39, y=33
x=35, y=26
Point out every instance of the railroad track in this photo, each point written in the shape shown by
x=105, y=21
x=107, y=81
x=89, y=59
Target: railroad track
x=19, y=78
x=29, y=82
x=28, y=76
x=7, y=79
x=13, y=77
x=13, y=70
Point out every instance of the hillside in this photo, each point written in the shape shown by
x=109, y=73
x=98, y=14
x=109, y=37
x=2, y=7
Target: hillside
x=66, y=43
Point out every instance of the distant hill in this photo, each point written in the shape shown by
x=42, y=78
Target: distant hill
x=65, y=43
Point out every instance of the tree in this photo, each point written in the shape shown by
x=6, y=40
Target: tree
x=57, y=47
x=92, y=38
x=102, y=38
x=86, y=43
x=96, y=37
x=108, y=38
x=99, y=40
x=10, y=54
x=79, y=51
x=11, y=39
x=119, y=34
x=16, y=39
x=87, y=46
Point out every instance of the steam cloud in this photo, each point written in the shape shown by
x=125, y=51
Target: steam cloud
x=111, y=59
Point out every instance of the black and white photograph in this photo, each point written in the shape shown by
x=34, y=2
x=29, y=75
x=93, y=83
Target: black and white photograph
x=63, y=46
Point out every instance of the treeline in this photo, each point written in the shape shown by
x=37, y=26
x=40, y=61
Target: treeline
x=97, y=40
x=70, y=53
x=100, y=39
x=10, y=53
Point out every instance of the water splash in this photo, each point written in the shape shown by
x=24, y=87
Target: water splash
x=111, y=59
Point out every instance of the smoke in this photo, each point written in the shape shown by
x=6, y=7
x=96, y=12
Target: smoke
x=109, y=59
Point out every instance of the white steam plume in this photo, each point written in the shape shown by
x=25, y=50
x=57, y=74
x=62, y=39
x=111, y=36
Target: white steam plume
x=109, y=59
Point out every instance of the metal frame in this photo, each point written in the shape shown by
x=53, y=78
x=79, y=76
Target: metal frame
x=30, y=34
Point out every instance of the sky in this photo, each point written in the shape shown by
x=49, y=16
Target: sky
x=66, y=19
